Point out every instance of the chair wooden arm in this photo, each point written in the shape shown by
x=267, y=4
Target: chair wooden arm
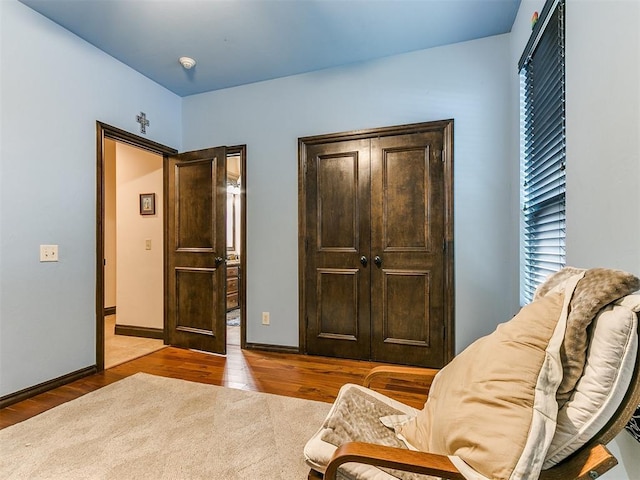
x=389, y=457
x=586, y=464
x=400, y=373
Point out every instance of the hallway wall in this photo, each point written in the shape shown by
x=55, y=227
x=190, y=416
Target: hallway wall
x=139, y=288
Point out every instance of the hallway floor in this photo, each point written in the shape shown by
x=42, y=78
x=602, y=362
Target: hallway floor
x=122, y=348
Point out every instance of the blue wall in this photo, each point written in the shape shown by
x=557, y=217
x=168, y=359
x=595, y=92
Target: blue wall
x=603, y=145
x=58, y=86
x=53, y=88
x=468, y=82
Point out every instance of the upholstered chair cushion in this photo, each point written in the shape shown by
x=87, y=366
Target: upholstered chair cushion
x=494, y=410
x=494, y=405
x=599, y=287
x=611, y=357
x=347, y=421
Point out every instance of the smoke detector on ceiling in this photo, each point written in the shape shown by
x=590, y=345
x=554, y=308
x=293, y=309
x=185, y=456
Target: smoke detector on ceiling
x=187, y=62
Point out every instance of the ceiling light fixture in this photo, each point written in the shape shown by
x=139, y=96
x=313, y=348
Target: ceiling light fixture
x=187, y=62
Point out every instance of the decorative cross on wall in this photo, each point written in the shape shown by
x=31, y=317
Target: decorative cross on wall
x=144, y=123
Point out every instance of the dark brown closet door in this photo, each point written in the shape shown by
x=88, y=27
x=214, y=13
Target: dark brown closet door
x=376, y=244
x=337, y=245
x=407, y=246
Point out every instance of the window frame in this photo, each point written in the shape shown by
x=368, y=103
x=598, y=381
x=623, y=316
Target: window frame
x=543, y=150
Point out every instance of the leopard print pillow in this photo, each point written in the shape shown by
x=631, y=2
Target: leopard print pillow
x=633, y=427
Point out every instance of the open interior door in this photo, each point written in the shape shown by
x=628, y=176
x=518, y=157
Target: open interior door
x=195, y=284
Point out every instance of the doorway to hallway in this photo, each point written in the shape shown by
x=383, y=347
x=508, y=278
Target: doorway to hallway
x=233, y=249
x=133, y=252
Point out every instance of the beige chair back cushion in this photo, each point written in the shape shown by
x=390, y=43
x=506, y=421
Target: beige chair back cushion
x=495, y=402
x=611, y=358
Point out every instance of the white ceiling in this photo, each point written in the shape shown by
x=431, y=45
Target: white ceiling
x=236, y=42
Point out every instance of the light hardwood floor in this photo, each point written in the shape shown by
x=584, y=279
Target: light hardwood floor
x=301, y=376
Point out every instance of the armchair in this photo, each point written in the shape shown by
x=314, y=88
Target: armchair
x=572, y=446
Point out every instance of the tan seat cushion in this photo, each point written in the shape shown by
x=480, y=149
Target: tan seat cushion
x=318, y=450
x=494, y=404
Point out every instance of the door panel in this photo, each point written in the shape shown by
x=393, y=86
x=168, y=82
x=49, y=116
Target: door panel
x=337, y=201
x=196, y=273
x=337, y=224
x=408, y=207
x=405, y=178
x=194, y=314
x=195, y=206
x=338, y=320
x=402, y=319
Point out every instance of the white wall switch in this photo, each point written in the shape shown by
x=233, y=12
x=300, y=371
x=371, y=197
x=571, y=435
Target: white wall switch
x=48, y=253
x=147, y=244
x=265, y=318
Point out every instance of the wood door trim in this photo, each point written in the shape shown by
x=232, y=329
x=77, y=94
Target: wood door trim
x=446, y=126
x=104, y=131
x=449, y=285
x=242, y=282
x=377, y=132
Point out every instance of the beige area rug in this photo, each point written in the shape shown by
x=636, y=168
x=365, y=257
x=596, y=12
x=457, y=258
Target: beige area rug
x=148, y=427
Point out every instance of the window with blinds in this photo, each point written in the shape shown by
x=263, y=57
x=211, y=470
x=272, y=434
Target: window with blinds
x=542, y=152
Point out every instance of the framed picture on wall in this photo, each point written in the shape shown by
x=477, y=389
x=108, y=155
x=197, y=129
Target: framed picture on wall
x=147, y=204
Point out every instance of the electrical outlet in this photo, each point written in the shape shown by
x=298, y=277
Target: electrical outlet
x=265, y=318
x=48, y=253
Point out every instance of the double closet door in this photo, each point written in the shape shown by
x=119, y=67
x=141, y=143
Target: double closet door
x=375, y=245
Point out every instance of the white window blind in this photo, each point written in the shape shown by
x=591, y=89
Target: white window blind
x=542, y=162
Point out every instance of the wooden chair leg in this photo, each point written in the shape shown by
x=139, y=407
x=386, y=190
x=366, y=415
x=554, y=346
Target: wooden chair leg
x=313, y=475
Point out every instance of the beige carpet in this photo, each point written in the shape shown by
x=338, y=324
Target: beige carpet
x=148, y=427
